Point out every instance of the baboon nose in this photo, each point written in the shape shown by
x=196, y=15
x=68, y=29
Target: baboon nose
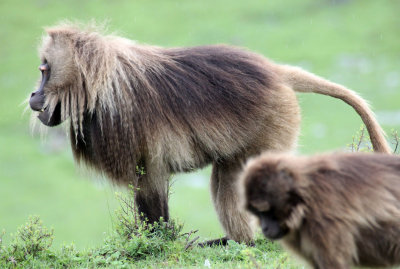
x=36, y=101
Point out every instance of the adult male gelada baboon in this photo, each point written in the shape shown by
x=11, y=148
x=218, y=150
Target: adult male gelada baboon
x=334, y=210
x=174, y=109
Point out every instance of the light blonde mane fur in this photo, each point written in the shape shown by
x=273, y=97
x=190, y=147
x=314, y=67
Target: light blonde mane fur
x=106, y=65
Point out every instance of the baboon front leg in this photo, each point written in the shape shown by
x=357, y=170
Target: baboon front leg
x=336, y=254
x=151, y=198
x=234, y=220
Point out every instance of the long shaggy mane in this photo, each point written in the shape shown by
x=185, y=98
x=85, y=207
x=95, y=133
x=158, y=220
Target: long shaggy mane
x=107, y=67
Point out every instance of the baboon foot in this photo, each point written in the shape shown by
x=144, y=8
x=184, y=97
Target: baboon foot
x=223, y=241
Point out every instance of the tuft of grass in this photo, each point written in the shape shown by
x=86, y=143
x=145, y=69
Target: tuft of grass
x=134, y=238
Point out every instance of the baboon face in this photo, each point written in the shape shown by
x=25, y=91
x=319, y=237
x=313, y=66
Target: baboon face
x=270, y=196
x=58, y=72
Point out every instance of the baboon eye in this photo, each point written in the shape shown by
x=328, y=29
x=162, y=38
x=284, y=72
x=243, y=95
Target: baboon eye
x=44, y=67
x=260, y=205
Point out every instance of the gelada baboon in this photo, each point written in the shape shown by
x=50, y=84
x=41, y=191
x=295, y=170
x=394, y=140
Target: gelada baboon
x=174, y=109
x=334, y=210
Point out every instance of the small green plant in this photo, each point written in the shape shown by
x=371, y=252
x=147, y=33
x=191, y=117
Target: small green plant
x=361, y=141
x=32, y=240
x=134, y=237
x=140, y=171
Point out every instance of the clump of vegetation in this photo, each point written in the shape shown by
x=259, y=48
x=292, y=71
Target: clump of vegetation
x=31, y=241
x=134, y=238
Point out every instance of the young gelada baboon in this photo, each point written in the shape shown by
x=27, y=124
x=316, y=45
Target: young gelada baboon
x=174, y=110
x=334, y=210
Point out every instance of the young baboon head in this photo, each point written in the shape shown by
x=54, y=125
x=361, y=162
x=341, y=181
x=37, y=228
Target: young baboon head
x=270, y=194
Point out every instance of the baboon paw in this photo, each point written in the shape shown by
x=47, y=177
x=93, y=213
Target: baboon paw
x=223, y=241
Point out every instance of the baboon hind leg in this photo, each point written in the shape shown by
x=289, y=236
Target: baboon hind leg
x=235, y=221
x=151, y=198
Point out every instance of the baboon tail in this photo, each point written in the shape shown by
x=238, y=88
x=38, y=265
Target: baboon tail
x=303, y=81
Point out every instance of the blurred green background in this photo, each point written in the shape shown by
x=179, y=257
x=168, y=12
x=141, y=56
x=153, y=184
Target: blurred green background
x=355, y=43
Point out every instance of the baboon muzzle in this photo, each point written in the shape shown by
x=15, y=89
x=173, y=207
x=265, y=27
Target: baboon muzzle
x=37, y=97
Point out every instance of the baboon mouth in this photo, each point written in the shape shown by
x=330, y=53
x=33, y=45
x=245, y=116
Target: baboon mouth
x=52, y=119
x=42, y=110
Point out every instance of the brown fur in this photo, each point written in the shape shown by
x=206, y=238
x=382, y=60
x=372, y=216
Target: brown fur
x=334, y=210
x=176, y=109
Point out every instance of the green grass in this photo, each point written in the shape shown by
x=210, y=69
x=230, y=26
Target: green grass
x=133, y=243
x=355, y=43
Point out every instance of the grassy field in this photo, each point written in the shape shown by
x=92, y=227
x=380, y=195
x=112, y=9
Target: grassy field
x=355, y=43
